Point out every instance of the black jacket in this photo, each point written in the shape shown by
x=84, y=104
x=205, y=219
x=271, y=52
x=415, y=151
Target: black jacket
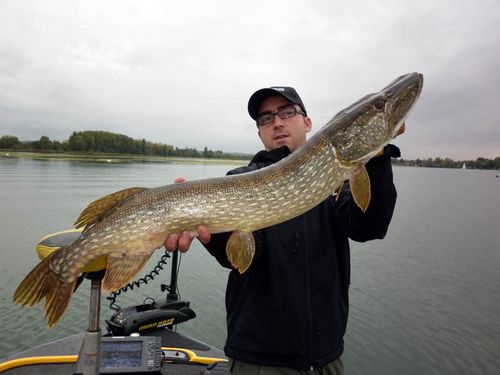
x=290, y=307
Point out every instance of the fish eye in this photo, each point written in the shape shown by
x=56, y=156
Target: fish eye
x=379, y=104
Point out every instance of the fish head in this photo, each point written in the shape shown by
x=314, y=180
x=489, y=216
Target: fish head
x=364, y=128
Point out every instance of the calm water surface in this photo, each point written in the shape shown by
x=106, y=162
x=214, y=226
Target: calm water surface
x=423, y=300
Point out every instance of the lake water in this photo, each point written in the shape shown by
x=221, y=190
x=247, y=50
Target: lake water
x=423, y=300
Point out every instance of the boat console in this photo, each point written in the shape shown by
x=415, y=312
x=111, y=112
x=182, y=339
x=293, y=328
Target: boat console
x=127, y=355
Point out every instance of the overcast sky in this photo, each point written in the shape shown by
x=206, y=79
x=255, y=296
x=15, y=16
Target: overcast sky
x=181, y=72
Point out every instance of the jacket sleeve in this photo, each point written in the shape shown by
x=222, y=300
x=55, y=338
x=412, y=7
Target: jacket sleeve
x=217, y=248
x=372, y=224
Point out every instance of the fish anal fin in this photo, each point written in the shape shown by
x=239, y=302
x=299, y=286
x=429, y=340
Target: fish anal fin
x=99, y=208
x=240, y=249
x=122, y=267
x=360, y=188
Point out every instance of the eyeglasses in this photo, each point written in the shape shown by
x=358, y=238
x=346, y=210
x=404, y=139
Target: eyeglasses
x=285, y=113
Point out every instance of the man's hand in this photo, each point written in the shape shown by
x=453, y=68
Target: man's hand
x=182, y=241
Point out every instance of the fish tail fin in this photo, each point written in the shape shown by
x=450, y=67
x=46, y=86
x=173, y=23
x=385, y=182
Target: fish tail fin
x=35, y=285
x=42, y=282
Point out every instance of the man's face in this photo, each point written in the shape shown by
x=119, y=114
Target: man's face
x=290, y=132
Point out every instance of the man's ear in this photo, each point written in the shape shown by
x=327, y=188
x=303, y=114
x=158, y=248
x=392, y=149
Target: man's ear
x=308, y=123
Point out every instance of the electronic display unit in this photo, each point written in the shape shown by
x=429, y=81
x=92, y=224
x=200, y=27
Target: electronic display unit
x=128, y=355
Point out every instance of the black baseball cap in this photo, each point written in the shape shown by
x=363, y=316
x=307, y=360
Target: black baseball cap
x=259, y=96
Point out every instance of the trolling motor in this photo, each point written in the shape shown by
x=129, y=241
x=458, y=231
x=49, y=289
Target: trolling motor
x=148, y=317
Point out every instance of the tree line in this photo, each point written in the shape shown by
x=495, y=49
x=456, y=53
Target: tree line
x=106, y=142
x=109, y=143
x=479, y=163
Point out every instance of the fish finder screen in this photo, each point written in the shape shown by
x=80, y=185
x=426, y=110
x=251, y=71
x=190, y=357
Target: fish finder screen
x=121, y=354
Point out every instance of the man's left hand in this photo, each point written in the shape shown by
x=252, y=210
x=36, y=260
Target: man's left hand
x=401, y=130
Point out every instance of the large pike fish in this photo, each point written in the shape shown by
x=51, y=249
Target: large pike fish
x=126, y=227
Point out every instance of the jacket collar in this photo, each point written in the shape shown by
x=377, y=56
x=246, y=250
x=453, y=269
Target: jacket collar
x=272, y=156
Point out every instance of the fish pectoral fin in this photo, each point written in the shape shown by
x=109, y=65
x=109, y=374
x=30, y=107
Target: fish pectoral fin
x=240, y=249
x=360, y=188
x=99, y=208
x=339, y=190
x=122, y=267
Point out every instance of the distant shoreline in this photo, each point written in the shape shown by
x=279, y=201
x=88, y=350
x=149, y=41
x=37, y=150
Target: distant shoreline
x=115, y=158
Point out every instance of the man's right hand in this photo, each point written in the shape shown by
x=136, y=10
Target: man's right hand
x=182, y=241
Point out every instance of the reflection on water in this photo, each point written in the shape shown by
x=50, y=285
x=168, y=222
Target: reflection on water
x=423, y=300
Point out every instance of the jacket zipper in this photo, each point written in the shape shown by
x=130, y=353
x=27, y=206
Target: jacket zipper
x=309, y=300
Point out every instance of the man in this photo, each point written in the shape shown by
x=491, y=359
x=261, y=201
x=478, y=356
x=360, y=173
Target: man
x=288, y=312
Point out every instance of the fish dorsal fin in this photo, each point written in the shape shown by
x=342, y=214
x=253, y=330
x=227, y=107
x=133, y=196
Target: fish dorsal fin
x=96, y=210
x=360, y=188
